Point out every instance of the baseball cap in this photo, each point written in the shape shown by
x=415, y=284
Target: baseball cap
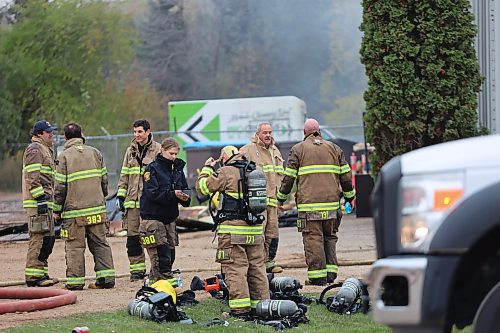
x=43, y=126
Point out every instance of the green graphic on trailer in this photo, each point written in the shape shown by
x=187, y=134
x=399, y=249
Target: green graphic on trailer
x=182, y=113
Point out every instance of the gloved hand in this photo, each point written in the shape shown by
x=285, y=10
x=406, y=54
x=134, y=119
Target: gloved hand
x=349, y=199
x=42, y=206
x=120, y=204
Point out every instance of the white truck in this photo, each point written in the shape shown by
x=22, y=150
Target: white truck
x=437, y=224
x=236, y=119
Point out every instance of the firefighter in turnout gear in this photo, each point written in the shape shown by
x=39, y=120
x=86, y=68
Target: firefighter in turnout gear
x=320, y=170
x=267, y=157
x=38, y=194
x=165, y=187
x=240, y=249
x=81, y=187
x=142, y=151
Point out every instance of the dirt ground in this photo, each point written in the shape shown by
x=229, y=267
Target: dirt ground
x=195, y=256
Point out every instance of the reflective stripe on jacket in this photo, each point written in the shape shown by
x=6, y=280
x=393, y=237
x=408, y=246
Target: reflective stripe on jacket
x=134, y=163
x=37, y=174
x=268, y=160
x=81, y=180
x=321, y=172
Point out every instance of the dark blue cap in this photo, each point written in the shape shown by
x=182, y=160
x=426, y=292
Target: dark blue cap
x=43, y=126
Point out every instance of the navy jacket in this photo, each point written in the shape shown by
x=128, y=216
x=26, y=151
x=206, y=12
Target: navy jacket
x=158, y=200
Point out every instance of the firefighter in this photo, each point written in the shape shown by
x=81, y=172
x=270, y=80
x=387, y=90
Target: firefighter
x=240, y=249
x=81, y=187
x=321, y=172
x=165, y=187
x=267, y=157
x=38, y=195
x=142, y=151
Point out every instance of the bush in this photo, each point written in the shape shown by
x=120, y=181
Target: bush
x=423, y=74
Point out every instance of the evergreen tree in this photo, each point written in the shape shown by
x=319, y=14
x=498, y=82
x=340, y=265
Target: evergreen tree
x=423, y=74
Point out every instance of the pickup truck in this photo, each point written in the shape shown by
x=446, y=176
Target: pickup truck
x=437, y=224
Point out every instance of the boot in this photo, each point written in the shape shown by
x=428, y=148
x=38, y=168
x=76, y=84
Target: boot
x=316, y=282
x=137, y=276
x=46, y=281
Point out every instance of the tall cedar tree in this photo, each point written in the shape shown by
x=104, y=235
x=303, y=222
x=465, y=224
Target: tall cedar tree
x=423, y=74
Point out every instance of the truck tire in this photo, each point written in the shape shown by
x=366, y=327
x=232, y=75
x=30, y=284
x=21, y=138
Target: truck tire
x=487, y=317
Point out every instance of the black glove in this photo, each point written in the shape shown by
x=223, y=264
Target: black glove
x=120, y=204
x=349, y=200
x=42, y=206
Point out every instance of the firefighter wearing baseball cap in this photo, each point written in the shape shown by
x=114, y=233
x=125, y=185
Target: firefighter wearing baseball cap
x=38, y=194
x=240, y=249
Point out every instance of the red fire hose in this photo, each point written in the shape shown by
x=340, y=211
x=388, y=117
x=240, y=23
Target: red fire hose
x=34, y=299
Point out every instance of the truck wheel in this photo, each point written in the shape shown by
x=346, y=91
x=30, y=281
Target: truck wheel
x=487, y=317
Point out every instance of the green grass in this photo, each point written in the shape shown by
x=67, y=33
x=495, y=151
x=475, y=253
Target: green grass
x=321, y=321
x=120, y=322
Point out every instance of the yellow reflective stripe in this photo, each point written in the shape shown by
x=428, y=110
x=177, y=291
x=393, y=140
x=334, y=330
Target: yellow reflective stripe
x=47, y=170
x=268, y=168
x=291, y=172
x=32, y=167
x=46, y=269
x=121, y=192
x=91, y=173
x=279, y=169
x=132, y=170
x=271, y=202
x=206, y=170
x=317, y=274
x=235, y=195
x=239, y=303
x=131, y=204
x=84, y=212
x=37, y=191
x=125, y=170
x=281, y=196
x=345, y=168
x=60, y=177
x=332, y=268
x=349, y=194
x=203, y=186
x=34, y=272
x=140, y=267
x=319, y=168
x=240, y=229
x=29, y=204
x=254, y=302
x=104, y=171
x=105, y=273
x=71, y=281
x=313, y=207
x=56, y=207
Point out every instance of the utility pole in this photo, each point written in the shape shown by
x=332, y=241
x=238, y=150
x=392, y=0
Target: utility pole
x=488, y=51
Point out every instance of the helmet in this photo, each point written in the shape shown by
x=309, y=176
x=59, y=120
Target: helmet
x=165, y=286
x=229, y=151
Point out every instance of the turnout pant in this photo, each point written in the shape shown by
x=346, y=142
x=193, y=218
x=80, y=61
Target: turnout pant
x=271, y=235
x=320, y=241
x=41, y=243
x=155, y=239
x=95, y=235
x=136, y=257
x=244, y=269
